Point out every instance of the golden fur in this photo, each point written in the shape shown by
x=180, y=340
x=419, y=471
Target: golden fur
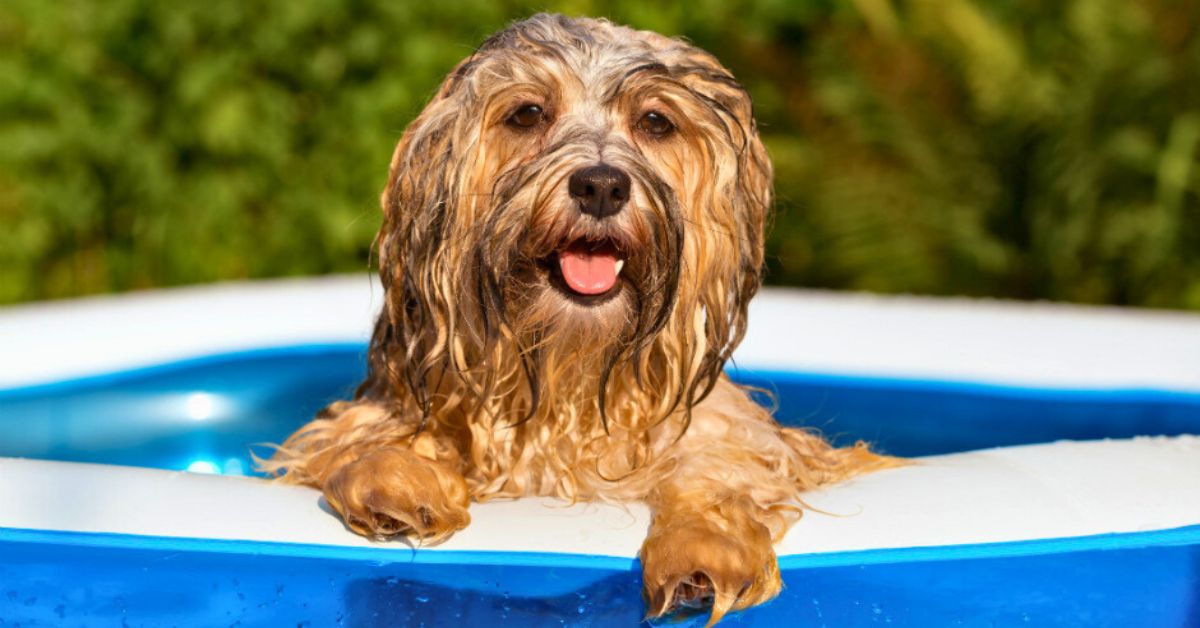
x=487, y=380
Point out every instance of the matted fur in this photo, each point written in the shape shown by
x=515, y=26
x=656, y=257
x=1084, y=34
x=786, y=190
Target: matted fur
x=487, y=380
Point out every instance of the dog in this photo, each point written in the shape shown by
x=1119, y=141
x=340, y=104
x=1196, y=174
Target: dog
x=572, y=231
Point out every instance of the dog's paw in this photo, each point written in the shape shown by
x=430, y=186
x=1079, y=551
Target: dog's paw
x=695, y=565
x=393, y=491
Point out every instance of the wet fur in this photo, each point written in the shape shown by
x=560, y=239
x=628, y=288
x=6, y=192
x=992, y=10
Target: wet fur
x=487, y=381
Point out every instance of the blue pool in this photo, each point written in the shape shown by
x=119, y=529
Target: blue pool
x=1057, y=526
x=208, y=413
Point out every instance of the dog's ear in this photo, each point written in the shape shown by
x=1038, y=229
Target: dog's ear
x=752, y=198
x=737, y=202
x=413, y=260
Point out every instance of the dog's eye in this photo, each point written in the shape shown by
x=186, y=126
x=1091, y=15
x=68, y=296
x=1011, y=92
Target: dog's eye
x=527, y=116
x=655, y=123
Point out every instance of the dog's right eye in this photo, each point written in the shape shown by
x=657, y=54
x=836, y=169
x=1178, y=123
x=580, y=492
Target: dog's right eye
x=527, y=116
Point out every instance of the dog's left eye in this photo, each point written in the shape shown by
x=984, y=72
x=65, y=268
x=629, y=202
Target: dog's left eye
x=655, y=123
x=527, y=116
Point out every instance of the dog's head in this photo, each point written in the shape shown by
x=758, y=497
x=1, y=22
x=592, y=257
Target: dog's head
x=579, y=200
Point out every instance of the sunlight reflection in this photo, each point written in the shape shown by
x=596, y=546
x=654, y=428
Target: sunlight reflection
x=200, y=406
x=203, y=466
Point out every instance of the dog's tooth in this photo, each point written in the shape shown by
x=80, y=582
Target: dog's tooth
x=620, y=265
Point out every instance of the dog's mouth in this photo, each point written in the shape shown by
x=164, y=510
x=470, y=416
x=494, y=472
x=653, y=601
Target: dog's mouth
x=587, y=268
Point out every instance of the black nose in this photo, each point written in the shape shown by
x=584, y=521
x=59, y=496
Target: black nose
x=601, y=190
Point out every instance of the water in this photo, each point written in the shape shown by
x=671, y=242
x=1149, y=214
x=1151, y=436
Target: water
x=206, y=415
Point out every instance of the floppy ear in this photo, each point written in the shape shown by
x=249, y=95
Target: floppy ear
x=736, y=201
x=752, y=200
x=415, y=267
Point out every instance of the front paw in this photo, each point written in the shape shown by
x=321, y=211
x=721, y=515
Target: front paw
x=393, y=491
x=691, y=564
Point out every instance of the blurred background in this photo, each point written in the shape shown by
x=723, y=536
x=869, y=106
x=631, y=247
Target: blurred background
x=1012, y=148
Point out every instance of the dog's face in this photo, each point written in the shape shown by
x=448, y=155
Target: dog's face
x=577, y=189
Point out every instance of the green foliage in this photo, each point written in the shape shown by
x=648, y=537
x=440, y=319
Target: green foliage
x=1013, y=148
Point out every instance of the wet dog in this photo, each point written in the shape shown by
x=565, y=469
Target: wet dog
x=573, y=228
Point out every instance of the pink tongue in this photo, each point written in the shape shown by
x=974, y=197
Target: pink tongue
x=588, y=272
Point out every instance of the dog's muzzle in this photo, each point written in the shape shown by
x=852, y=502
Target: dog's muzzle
x=591, y=268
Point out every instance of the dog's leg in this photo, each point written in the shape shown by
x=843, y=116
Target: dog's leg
x=732, y=490
x=378, y=473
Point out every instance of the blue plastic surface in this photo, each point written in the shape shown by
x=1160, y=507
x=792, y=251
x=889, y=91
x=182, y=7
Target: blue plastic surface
x=92, y=579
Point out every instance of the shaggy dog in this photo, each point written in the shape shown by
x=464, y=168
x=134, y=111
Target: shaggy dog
x=573, y=228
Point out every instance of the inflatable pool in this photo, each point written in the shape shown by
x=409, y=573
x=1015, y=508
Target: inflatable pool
x=1057, y=480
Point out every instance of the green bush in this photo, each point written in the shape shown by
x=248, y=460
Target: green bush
x=1013, y=148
